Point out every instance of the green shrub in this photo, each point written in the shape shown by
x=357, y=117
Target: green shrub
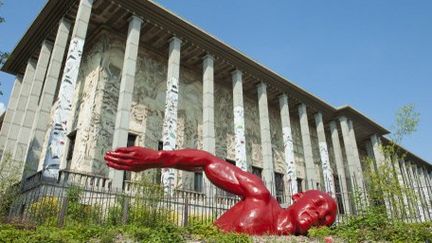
x=141, y=213
x=374, y=225
x=45, y=210
x=320, y=232
x=210, y=233
x=78, y=212
x=85, y=233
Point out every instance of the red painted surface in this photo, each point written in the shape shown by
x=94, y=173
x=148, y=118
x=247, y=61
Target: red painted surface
x=257, y=213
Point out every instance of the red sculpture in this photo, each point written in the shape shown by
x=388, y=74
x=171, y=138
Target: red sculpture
x=257, y=213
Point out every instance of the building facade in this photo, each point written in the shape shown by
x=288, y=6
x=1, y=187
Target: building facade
x=93, y=75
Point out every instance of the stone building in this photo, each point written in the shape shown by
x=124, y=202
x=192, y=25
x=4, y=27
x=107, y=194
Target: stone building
x=92, y=75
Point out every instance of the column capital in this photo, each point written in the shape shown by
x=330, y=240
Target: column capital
x=134, y=18
x=375, y=136
x=342, y=118
x=47, y=43
x=283, y=96
x=302, y=107
x=333, y=124
x=175, y=40
x=32, y=61
x=65, y=21
x=208, y=56
x=261, y=86
x=283, y=99
x=318, y=115
x=237, y=72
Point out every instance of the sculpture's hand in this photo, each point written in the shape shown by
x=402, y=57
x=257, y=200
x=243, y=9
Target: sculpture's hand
x=132, y=159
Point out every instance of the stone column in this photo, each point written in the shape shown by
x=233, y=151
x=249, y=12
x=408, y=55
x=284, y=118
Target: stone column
x=239, y=121
x=10, y=112
x=24, y=133
x=12, y=134
x=381, y=161
x=428, y=181
x=41, y=120
x=325, y=160
x=312, y=176
x=266, y=144
x=355, y=170
x=291, y=173
x=356, y=156
x=62, y=117
x=399, y=176
x=354, y=166
x=370, y=154
x=420, y=187
x=169, y=133
x=412, y=211
x=209, y=140
x=417, y=200
x=127, y=84
x=340, y=166
x=424, y=188
x=377, y=150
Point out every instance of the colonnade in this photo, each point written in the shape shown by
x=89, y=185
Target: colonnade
x=26, y=120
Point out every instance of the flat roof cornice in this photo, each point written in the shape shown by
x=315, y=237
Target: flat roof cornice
x=41, y=27
x=358, y=116
x=182, y=28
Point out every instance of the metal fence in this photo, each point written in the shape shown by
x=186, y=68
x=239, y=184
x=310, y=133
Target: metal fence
x=82, y=197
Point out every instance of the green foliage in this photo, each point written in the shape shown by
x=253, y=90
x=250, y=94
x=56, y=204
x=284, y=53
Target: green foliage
x=320, y=232
x=407, y=119
x=3, y=58
x=78, y=212
x=375, y=226
x=9, y=187
x=45, y=211
x=2, y=20
x=92, y=233
x=3, y=55
x=209, y=233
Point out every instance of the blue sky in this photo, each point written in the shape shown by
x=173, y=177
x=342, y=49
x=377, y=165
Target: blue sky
x=373, y=55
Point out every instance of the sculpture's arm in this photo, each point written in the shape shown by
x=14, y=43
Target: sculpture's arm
x=218, y=171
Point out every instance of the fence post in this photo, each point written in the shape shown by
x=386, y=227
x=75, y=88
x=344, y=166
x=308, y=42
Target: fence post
x=186, y=212
x=62, y=214
x=125, y=212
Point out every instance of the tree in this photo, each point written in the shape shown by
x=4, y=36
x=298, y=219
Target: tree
x=385, y=190
x=3, y=55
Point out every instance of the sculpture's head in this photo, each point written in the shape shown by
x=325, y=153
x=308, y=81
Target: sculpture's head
x=312, y=208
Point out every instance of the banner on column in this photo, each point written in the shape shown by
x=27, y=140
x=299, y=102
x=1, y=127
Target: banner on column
x=59, y=126
x=169, y=133
x=240, y=140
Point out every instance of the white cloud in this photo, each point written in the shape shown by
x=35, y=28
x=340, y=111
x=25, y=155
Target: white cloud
x=2, y=108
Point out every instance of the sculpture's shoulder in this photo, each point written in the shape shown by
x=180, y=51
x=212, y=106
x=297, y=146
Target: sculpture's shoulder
x=251, y=216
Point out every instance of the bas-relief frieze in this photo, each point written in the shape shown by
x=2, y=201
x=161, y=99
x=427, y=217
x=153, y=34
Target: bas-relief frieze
x=253, y=136
x=89, y=77
x=277, y=140
x=190, y=117
x=224, y=122
x=316, y=151
x=96, y=119
x=298, y=147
